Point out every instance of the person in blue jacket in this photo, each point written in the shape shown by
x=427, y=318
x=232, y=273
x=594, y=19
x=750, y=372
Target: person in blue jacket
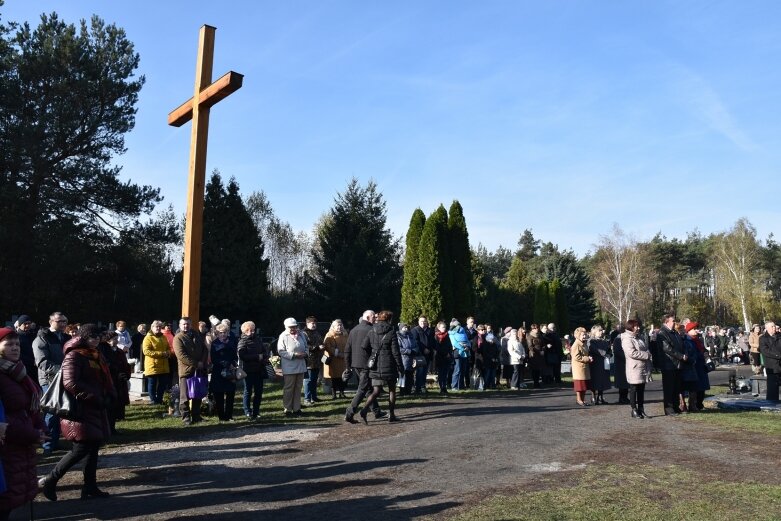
x=460, y=341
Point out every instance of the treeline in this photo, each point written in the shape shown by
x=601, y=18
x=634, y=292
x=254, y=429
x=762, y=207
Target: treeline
x=79, y=239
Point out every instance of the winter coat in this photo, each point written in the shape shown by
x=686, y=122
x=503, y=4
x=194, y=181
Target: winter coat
x=250, y=350
x=599, y=350
x=313, y=342
x=22, y=436
x=355, y=356
x=490, y=351
x=136, y=346
x=425, y=340
x=335, y=347
x=581, y=366
x=753, y=341
x=638, y=358
x=156, y=352
x=287, y=346
x=383, y=341
x=120, y=373
x=703, y=381
x=516, y=350
x=224, y=361
x=408, y=348
x=536, y=345
x=619, y=364
x=26, y=339
x=460, y=342
x=48, y=351
x=443, y=351
x=553, y=354
x=504, y=353
x=687, y=370
x=85, y=376
x=670, y=348
x=770, y=347
x=123, y=340
x=190, y=351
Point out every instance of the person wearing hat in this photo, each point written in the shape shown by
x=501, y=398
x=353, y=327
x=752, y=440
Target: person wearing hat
x=26, y=337
x=87, y=377
x=292, y=349
x=695, y=349
x=24, y=427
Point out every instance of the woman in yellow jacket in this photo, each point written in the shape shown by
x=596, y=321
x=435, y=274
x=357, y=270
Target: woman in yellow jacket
x=156, y=368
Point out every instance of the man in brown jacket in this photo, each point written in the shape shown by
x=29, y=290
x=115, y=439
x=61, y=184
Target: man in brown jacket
x=191, y=354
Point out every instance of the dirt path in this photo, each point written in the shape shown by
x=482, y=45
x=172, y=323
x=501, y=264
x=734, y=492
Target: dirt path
x=444, y=455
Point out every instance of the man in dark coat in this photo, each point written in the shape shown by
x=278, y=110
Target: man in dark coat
x=424, y=336
x=358, y=358
x=770, y=347
x=670, y=346
x=47, y=348
x=191, y=353
x=554, y=353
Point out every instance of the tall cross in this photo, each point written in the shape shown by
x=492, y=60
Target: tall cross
x=197, y=108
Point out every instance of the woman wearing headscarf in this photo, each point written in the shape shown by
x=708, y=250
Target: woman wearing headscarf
x=638, y=367
x=25, y=429
x=694, y=346
x=536, y=351
x=86, y=376
x=384, y=346
x=599, y=351
x=581, y=366
x=461, y=347
x=409, y=350
x=335, y=343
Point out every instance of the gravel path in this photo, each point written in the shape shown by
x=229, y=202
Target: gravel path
x=445, y=455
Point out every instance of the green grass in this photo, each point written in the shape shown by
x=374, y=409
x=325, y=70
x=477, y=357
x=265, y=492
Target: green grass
x=768, y=423
x=145, y=423
x=639, y=493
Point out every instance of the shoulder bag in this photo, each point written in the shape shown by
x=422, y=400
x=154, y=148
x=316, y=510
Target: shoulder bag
x=59, y=401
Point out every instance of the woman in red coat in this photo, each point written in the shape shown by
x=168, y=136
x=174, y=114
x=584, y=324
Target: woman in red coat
x=25, y=431
x=86, y=376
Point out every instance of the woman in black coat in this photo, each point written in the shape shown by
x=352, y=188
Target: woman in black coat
x=387, y=362
x=599, y=350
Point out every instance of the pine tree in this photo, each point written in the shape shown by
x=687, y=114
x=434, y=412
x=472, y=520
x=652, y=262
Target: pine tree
x=542, y=305
x=233, y=276
x=461, y=262
x=521, y=291
x=558, y=301
x=410, y=308
x=355, y=262
x=433, y=267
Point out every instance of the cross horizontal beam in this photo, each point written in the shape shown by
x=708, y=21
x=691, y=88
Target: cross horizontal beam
x=219, y=90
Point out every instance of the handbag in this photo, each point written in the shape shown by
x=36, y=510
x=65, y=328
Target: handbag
x=709, y=366
x=270, y=371
x=607, y=364
x=326, y=359
x=373, y=360
x=239, y=374
x=419, y=361
x=59, y=401
x=197, y=386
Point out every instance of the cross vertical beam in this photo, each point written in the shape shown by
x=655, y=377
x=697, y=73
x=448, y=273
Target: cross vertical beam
x=197, y=108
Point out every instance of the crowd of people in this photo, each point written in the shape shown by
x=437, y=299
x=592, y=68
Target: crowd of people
x=95, y=364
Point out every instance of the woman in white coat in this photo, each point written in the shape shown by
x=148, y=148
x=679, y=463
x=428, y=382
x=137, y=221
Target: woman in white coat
x=292, y=350
x=638, y=367
x=517, y=356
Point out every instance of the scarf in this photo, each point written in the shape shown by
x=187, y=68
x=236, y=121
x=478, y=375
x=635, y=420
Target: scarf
x=17, y=372
x=440, y=335
x=698, y=343
x=93, y=355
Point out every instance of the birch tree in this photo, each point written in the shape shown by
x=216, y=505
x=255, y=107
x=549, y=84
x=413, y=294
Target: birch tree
x=619, y=274
x=736, y=259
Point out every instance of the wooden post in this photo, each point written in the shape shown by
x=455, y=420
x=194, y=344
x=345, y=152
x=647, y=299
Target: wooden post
x=206, y=94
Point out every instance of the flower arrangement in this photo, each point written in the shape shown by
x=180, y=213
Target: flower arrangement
x=275, y=361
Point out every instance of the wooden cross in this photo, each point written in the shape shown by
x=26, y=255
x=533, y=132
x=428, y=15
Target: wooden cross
x=197, y=108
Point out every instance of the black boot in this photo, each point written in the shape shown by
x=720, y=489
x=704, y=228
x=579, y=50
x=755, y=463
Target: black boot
x=90, y=491
x=636, y=414
x=48, y=486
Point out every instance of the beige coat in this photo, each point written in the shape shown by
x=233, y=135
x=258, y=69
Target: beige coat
x=638, y=358
x=334, y=344
x=753, y=342
x=580, y=364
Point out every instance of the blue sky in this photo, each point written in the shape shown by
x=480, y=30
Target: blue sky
x=563, y=117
